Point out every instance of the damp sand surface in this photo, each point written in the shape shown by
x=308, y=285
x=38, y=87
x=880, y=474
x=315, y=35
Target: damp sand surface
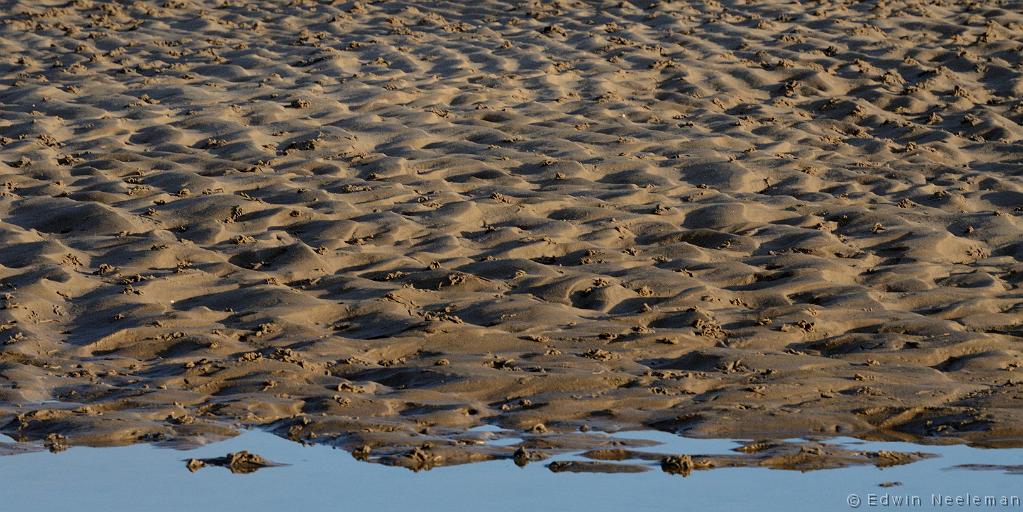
x=391, y=222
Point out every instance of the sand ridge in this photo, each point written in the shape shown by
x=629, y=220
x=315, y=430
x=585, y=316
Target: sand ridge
x=379, y=224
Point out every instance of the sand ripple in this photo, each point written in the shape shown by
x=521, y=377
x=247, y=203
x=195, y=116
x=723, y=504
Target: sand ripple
x=390, y=222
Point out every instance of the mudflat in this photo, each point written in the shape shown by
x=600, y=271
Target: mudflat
x=381, y=224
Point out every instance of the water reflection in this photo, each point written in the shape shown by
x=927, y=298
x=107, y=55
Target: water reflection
x=319, y=477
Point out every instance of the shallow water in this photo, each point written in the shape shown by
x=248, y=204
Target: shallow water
x=142, y=477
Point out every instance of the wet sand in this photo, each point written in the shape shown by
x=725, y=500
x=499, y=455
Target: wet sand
x=382, y=224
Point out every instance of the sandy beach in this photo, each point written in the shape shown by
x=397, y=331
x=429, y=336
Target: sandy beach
x=380, y=224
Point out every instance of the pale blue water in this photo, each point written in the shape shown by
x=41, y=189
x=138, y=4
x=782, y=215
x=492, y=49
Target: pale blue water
x=146, y=478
